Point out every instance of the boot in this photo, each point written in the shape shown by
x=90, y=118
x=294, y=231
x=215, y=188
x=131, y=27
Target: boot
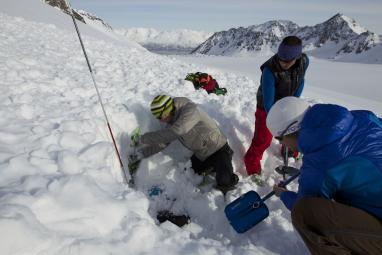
x=179, y=220
x=256, y=178
x=232, y=186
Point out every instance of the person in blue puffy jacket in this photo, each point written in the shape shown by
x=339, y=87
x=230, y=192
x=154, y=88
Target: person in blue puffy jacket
x=338, y=206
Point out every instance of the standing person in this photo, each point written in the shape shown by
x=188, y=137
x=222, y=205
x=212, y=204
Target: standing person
x=197, y=132
x=282, y=75
x=338, y=206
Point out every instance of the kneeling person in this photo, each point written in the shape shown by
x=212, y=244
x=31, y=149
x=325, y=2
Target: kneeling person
x=197, y=132
x=338, y=207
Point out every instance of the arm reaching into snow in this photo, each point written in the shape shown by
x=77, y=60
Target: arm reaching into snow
x=154, y=142
x=164, y=136
x=150, y=150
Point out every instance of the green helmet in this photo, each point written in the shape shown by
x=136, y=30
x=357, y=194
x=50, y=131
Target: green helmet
x=161, y=104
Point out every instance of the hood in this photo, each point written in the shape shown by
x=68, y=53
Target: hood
x=322, y=125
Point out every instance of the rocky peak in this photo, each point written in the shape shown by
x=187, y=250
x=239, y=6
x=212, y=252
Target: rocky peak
x=342, y=21
x=253, y=38
x=337, y=29
x=276, y=27
x=87, y=16
x=61, y=4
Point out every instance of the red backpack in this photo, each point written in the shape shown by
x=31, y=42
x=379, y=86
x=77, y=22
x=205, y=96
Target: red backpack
x=206, y=82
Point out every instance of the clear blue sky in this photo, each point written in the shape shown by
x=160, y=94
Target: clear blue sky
x=217, y=15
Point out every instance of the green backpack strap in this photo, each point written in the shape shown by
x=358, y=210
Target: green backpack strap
x=220, y=91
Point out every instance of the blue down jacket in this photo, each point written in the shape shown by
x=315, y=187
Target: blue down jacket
x=342, y=158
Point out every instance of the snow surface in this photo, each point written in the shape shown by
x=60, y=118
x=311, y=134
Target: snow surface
x=178, y=38
x=354, y=85
x=61, y=189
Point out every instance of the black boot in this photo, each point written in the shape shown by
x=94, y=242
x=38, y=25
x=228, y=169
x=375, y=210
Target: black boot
x=232, y=186
x=179, y=220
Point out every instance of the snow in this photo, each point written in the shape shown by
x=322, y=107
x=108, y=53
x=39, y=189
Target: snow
x=353, y=25
x=61, y=189
x=353, y=85
x=179, y=38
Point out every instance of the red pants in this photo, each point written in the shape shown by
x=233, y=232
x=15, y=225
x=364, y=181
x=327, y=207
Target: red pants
x=260, y=142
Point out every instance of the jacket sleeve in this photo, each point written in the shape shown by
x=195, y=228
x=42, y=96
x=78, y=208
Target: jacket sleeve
x=288, y=198
x=306, y=63
x=300, y=88
x=309, y=184
x=147, y=151
x=268, y=83
x=302, y=83
x=164, y=136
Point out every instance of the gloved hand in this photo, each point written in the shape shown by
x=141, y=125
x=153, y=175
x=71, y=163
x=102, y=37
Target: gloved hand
x=134, y=160
x=135, y=139
x=136, y=157
x=278, y=189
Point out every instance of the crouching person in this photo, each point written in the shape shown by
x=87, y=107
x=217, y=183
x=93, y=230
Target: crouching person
x=338, y=206
x=197, y=132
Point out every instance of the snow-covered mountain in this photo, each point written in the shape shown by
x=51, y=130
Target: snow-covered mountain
x=262, y=37
x=179, y=40
x=335, y=38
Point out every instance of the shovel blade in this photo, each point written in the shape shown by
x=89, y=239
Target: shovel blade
x=246, y=211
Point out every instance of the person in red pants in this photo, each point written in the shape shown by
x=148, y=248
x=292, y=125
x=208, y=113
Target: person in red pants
x=282, y=76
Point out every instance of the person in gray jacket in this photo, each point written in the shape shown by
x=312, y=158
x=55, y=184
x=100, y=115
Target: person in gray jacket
x=197, y=132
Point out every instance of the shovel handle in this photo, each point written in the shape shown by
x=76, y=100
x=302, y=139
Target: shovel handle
x=283, y=184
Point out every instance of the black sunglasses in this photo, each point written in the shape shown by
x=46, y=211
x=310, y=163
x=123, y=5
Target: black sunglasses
x=281, y=136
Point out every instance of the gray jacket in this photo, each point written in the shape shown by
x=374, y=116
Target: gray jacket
x=194, y=129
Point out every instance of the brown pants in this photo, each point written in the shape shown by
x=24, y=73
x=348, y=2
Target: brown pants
x=328, y=228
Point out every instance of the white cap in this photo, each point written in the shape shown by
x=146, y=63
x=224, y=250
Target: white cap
x=286, y=115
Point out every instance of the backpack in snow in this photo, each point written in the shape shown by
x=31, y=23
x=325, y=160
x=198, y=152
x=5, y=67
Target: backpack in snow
x=206, y=82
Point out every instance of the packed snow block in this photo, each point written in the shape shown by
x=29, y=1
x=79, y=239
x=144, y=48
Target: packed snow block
x=246, y=211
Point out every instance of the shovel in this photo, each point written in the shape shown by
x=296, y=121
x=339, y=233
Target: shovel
x=249, y=209
x=285, y=169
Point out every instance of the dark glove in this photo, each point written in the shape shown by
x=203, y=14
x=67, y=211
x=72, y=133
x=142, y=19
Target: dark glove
x=286, y=170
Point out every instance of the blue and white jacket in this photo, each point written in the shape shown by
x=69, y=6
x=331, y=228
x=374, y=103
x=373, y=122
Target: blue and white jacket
x=342, y=158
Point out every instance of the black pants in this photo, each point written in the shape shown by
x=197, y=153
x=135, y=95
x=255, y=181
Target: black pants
x=219, y=162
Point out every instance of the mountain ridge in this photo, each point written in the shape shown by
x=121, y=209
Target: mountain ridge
x=339, y=36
